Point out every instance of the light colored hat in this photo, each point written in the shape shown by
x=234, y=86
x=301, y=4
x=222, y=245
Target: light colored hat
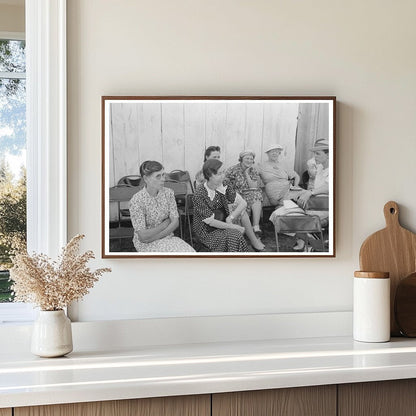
x=245, y=153
x=320, y=144
x=274, y=146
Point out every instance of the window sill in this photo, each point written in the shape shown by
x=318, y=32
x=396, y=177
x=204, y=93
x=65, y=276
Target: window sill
x=16, y=313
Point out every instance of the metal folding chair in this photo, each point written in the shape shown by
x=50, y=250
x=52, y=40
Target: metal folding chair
x=300, y=224
x=181, y=176
x=180, y=190
x=131, y=180
x=118, y=195
x=318, y=202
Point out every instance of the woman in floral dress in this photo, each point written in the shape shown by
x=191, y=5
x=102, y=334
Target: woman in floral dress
x=154, y=214
x=245, y=179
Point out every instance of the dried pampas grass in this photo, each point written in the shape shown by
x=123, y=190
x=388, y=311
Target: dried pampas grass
x=53, y=285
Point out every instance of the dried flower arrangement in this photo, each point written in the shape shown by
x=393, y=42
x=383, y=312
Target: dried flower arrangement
x=53, y=285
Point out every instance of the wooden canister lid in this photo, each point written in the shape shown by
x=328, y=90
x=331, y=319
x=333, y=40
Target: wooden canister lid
x=372, y=275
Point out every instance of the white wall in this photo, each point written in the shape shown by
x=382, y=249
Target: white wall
x=361, y=51
x=12, y=17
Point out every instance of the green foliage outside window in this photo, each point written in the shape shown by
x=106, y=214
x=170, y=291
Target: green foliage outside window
x=12, y=224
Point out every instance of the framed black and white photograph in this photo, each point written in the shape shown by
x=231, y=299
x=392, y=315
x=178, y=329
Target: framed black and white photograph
x=218, y=176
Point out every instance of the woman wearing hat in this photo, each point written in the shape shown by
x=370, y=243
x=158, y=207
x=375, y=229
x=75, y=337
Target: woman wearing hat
x=320, y=187
x=277, y=178
x=321, y=183
x=245, y=179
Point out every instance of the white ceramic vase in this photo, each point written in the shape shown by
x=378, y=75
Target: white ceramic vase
x=52, y=334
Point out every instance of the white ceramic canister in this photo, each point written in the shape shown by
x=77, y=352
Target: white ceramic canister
x=371, y=310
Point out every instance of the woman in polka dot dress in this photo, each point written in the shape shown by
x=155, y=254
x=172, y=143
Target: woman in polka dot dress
x=213, y=223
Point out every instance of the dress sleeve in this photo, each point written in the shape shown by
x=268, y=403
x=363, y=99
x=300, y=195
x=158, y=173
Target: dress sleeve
x=172, y=207
x=255, y=176
x=199, y=178
x=137, y=213
x=229, y=176
x=230, y=194
x=201, y=207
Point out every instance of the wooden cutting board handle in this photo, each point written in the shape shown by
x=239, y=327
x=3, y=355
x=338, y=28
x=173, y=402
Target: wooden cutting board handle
x=391, y=214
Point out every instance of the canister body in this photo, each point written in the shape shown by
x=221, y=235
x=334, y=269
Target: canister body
x=371, y=309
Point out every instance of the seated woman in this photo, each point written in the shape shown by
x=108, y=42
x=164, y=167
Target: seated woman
x=310, y=173
x=277, y=178
x=154, y=213
x=214, y=152
x=321, y=182
x=245, y=179
x=214, y=224
x=211, y=152
x=320, y=185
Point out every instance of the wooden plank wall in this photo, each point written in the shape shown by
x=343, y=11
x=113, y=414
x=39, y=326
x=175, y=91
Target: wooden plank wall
x=176, y=134
x=313, y=124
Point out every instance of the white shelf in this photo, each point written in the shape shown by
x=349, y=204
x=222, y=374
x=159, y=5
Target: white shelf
x=151, y=371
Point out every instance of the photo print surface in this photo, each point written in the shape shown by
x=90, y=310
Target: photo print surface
x=218, y=176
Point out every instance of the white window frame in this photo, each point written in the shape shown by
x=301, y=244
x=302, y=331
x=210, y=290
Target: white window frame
x=46, y=134
x=15, y=312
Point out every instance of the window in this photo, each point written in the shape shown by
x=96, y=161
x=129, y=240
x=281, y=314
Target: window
x=12, y=154
x=46, y=135
x=12, y=166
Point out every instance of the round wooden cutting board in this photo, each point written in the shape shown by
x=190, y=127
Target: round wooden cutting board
x=393, y=250
x=405, y=306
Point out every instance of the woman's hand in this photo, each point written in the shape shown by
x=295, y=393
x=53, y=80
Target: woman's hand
x=238, y=228
x=312, y=172
x=224, y=225
x=251, y=183
x=148, y=235
x=304, y=198
x=247, y=170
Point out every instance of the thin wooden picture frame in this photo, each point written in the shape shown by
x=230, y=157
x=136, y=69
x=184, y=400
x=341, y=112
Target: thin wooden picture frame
x=277, y=152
